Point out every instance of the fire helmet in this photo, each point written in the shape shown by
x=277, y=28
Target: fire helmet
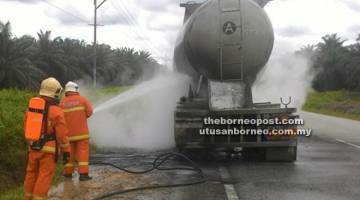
x=50, y=87
x=71, y=87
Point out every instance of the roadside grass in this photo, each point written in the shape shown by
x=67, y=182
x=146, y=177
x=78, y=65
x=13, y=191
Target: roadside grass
x=14, y=194
x=341, y=103
x=13, y=150
x=99, y=95
x=18, y=192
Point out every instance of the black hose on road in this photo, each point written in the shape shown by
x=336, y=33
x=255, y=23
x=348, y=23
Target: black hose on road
x=156, y=165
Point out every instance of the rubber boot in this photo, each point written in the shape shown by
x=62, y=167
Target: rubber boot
x=84, y=177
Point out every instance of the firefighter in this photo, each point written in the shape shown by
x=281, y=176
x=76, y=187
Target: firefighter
x=45, y=132
x=77, y=110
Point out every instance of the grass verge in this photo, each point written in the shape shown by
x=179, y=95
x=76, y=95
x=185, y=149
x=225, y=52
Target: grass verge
x=18, y=192
x=341, y=103
x=13, y=104
x=103, y=94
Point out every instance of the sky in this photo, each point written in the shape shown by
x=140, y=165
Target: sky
x=154, y=25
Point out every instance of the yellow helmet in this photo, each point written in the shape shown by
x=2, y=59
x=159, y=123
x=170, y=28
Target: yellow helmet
x=50, y=87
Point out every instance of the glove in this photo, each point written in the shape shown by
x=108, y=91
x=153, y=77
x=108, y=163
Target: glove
x=66, y=157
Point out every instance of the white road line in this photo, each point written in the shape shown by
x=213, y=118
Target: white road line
x=348, y=143
x=229, y=188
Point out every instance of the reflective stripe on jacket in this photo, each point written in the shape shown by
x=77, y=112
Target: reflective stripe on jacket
x=77, y=109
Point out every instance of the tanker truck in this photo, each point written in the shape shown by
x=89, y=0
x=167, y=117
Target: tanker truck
x=222, y=46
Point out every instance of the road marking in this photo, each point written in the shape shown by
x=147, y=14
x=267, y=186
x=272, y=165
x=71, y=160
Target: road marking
x=348, y=143
x=229, y=188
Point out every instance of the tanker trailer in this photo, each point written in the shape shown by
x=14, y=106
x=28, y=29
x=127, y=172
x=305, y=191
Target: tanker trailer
x=223, y=45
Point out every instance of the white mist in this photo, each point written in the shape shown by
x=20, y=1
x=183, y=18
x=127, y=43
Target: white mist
x=142, y=117
x=284, y=76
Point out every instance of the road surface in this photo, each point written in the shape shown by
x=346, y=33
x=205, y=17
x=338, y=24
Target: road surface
x=328, y=167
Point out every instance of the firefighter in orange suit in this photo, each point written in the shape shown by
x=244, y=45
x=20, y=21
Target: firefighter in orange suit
x=42, y=154
x=77, y=110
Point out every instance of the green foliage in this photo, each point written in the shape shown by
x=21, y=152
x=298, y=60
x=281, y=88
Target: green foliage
x=103, y=94
x=336, y=66
x=25, y=61
x=14, y=194
x=337, y=103
x=109, y=91
x=13, y=104
x=16, y=69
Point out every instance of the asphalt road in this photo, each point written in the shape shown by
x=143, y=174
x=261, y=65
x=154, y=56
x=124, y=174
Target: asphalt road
x=325, y=169
x=328, y=168
x=332, y=127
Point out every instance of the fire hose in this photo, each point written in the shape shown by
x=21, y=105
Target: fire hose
x=156, y=165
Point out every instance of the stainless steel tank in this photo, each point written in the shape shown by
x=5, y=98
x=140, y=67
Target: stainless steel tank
x=223, y=46
x=225, y=39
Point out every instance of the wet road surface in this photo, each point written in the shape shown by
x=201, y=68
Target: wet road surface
x=327, y=168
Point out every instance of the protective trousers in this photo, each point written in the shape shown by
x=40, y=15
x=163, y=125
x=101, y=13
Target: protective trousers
x=79, y=157
x=39, y=173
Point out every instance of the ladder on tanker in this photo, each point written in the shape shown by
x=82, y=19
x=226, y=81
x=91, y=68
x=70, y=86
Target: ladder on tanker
x=230, y=53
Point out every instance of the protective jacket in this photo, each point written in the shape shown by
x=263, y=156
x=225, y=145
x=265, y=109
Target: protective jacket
x=77, y=109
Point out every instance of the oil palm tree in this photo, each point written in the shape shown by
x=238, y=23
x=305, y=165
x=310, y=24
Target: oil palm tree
x=331, y=62
x=49, y=58
x=16, y=70
x=353, y=67
x=76, y=56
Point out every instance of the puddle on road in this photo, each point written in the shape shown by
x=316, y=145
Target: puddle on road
x=104, y=180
